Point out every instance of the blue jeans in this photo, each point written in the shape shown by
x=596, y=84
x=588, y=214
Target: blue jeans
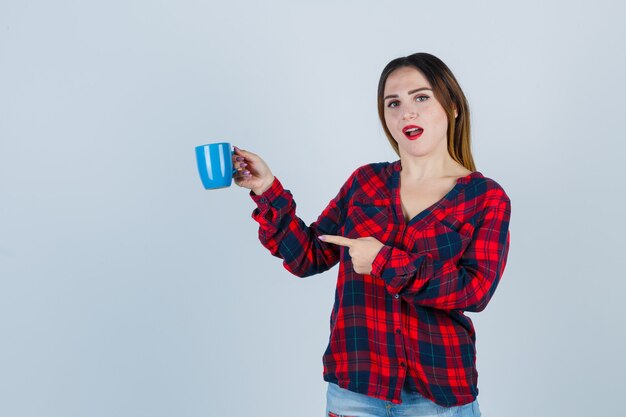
x=343, y=403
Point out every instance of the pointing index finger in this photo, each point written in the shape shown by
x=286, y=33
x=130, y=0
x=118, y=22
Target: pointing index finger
x=337, y=240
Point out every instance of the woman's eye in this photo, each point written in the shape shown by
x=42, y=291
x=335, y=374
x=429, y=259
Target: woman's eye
x=395, y=103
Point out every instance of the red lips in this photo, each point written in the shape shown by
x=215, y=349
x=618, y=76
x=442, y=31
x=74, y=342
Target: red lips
x=412, y=132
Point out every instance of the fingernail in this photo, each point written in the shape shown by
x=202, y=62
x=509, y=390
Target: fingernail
x=246, y=173
x=239, y=158
x=243, y=164
x=322, y=238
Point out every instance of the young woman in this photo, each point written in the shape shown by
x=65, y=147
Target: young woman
x=419, y=241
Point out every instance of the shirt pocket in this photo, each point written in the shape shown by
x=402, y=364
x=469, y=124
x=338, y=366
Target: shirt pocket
x=368, y=218
x=446, y=238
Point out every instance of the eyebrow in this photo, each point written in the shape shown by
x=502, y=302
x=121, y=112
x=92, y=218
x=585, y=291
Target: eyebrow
x=409, y=93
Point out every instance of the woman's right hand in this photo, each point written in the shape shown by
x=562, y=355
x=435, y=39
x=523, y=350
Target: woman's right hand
x=252, y=171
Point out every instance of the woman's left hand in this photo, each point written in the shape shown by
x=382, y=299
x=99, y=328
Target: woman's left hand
x=362, y=250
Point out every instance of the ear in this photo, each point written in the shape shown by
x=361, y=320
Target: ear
x=456, y=113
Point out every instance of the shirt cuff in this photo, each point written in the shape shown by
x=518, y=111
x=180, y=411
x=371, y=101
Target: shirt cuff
x=263, y=201
x=380, y=261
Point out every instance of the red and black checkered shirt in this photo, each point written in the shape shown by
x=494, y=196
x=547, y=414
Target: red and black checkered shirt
x=404, y=324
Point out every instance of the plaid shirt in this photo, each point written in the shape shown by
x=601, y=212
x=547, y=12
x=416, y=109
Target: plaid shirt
x=404, y=324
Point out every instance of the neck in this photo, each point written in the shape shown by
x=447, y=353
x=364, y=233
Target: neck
x=428, y=167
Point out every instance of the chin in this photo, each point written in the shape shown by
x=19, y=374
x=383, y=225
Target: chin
x=415, y=148
x=422, y=146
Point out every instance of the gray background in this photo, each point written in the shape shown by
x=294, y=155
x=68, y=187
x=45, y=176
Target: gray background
x=126, y=289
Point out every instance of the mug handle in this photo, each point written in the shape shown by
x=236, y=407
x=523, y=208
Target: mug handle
x=232, y=153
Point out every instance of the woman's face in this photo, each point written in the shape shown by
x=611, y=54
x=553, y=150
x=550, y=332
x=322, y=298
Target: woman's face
x=411, y=105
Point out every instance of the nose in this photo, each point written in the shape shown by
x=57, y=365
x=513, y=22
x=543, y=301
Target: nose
x=409, y=115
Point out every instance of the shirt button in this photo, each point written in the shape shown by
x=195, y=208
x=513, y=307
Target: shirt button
x=402, y=364
x=263, y=200
x=397, y=296
x=398, y=331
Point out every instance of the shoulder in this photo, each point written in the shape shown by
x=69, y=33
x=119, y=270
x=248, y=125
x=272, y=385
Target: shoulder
x=371, y=180
x=482, y=186
x=487, y=193
x=378, y=169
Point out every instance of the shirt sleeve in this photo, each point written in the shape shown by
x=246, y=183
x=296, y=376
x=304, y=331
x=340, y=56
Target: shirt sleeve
x=286, y=236
x=465, y=284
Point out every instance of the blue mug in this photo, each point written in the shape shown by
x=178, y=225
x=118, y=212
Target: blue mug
x=215, y=165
